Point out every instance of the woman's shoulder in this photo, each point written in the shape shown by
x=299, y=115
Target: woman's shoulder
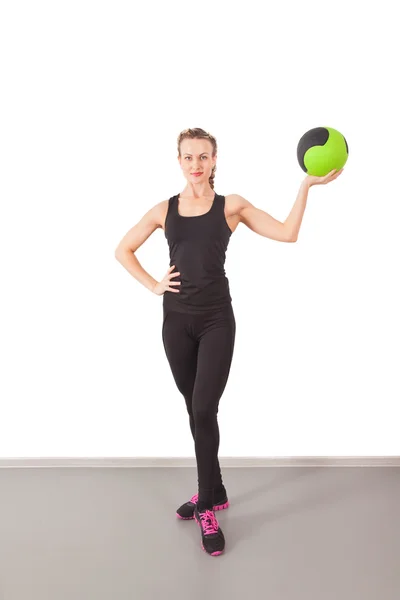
x=234, y=203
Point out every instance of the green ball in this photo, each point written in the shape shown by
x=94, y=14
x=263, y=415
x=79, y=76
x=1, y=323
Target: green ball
x=321, y=150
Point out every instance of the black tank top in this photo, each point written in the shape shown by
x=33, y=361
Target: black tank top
x=197, y=248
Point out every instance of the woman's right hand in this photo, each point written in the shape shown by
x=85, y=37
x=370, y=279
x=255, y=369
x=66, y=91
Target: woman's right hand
x=163, y=285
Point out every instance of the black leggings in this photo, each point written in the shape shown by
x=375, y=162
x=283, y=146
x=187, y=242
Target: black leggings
x=199, y=350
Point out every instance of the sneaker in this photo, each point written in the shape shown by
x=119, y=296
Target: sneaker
x=212, y=538
x=186, y=511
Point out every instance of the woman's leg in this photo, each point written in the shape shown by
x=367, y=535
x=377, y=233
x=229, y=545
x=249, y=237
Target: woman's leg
x=181, y=348
x=181, y=351
x=216, y=334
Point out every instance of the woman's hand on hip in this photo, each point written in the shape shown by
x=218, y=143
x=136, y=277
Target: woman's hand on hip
x=164, y=285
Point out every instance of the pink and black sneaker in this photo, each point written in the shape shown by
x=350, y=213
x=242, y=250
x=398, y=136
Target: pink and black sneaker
x=186, y=511
x=212, y=538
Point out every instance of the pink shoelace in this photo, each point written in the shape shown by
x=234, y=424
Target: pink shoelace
x=208, y=522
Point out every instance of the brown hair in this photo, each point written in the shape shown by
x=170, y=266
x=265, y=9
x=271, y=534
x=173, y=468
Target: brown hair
x=198, y=133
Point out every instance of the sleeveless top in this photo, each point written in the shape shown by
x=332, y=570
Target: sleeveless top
x=197, y=248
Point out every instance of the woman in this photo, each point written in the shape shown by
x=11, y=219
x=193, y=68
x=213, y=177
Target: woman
x=199, y=325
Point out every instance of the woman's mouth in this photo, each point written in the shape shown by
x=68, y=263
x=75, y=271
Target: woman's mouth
x=197, y=174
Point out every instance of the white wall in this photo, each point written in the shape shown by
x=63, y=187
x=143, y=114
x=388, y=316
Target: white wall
x=94, y=97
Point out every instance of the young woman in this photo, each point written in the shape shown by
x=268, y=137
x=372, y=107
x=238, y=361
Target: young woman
x=198, y=329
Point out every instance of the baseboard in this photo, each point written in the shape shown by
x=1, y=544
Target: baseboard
x=225, y=462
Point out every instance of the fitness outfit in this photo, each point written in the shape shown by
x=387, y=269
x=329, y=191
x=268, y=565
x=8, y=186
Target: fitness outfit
x=198, y=334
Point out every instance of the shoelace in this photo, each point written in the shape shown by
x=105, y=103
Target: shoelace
x=194, y=499
x=208, y=522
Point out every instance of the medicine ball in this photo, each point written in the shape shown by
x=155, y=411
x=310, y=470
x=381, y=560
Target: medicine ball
x=321, y=150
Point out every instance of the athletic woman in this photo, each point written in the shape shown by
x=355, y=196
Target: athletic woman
x=198, y=330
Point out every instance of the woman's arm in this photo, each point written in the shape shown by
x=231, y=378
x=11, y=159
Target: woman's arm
x=264, y=224
x=136, y=236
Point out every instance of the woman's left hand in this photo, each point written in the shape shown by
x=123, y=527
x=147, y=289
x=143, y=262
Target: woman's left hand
x=313, y=180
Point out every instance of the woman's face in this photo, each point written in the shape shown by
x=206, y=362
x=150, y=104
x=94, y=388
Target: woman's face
x=196, y=157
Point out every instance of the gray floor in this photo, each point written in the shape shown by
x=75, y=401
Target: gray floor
x=291, y=534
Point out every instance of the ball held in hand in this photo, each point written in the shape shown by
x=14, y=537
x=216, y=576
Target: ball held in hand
x=322, y=149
